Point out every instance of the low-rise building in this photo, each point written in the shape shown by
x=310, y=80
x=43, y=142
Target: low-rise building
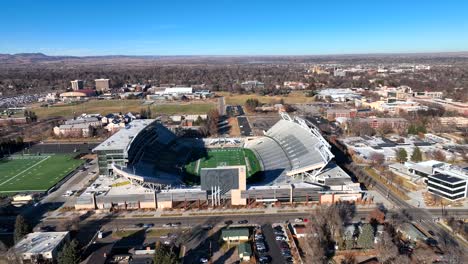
x=443, y=179
x=334, y=113
x=338, y=94
x=75, y=130
x=245, y=251
x=427, y=94
x=252, y=85
x=77, y=95
x=40, y=247
x=295, y=85
x=378, y=122
x=235, y=234
x=300, y=230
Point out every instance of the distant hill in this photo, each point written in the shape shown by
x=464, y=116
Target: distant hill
x=21, y=58
x=38, y=58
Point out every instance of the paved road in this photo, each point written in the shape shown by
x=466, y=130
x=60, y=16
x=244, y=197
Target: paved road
x=416, y=214
x=221, y=106
x=116, y=221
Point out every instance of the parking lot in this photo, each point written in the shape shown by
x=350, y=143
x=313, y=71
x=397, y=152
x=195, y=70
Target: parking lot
x=244, y=126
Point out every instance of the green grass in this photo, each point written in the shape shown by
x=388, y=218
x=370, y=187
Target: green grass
x=226, y=157
x=104, y=107
x=36, y=173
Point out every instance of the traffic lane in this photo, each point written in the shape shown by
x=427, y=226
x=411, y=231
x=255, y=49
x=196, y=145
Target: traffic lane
x=273, y=248
x=120, y=220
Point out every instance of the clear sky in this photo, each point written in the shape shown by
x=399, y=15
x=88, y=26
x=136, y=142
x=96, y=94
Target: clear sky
x=236, y=27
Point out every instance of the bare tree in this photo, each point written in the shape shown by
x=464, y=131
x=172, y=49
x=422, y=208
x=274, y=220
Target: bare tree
x=388, y=251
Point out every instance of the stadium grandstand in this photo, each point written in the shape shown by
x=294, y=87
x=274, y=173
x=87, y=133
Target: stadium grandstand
x=292, y=147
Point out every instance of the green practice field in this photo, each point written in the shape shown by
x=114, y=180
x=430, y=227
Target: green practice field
x=34, y=173
x=226, y=157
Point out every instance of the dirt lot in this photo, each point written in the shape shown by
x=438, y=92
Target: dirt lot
x=235, y=131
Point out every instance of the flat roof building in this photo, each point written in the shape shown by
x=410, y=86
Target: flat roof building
x=235, y=234
x=40, y=247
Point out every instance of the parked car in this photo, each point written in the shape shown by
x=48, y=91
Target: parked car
x=203, y=260
x=139, y=225
x=243, y=222
x=298, y=220
x=207, y=227
x=148, y=225
x=167, y=225
x=228, y=222
x=264, y=259
x=280, y=238
x=175, y=224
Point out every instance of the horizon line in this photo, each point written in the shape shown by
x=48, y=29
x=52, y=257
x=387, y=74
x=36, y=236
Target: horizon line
x=244, y=55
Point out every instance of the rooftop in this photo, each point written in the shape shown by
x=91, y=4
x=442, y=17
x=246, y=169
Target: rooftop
x=231, y=232
x=447, y=178
x=40, y=242
x=122, y=139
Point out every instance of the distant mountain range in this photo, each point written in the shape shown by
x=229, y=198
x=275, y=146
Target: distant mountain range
x=37, y=58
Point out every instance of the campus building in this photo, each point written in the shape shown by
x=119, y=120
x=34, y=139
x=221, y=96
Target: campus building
x=40, y=247
x=102, y=84
x=443, y=179
x=77, y=85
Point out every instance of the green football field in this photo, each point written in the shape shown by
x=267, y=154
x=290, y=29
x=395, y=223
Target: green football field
x=34, y=173
x=226, y=157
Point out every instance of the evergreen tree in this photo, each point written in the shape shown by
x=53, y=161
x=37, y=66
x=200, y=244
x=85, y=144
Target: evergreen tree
x=159, y=253
x=70, y=253
x=165, y=255
x=401, y=155
x=22, y=228
x=416, y=156
x=366, y=237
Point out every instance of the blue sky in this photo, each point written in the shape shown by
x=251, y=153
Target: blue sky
x=234, y=27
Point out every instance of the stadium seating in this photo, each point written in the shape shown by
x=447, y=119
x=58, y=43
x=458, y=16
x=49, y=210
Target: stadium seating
x=271, y=154
x=291, y=146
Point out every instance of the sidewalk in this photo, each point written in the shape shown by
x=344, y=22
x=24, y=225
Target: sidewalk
x=209, y=212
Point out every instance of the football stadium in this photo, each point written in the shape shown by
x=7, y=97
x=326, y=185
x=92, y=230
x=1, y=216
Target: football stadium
x=291, y=162
x=34, y=173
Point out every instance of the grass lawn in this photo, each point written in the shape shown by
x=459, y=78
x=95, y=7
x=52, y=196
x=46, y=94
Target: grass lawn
x=226, y=157
x=296, y=97
x=35, y=173
x=104, y=107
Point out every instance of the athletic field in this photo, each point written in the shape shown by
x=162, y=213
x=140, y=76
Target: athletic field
x=226, y=157
x=34, y=173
